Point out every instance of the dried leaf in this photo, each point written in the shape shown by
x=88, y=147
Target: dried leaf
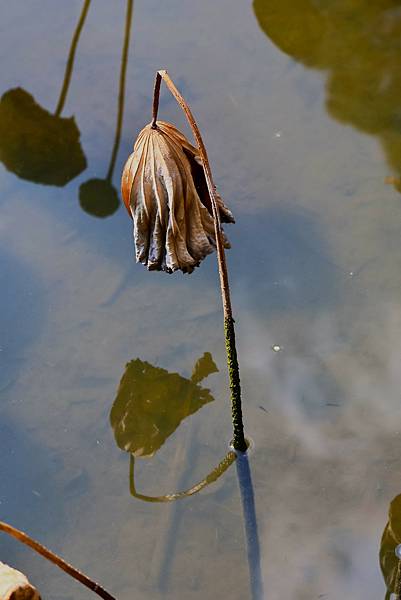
x=165, y=192
x=15, y=586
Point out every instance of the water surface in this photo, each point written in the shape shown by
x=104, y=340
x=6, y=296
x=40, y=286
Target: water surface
x=298, y=102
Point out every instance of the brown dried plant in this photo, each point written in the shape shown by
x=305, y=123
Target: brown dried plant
x=165, y=192
x=168, y=189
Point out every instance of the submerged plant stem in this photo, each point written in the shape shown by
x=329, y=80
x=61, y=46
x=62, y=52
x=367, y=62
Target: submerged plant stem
x=239, y=442
x=25, y=539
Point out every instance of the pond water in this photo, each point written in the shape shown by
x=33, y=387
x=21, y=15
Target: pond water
x=299, y=104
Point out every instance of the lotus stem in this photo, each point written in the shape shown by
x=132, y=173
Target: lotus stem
x=71, y=58
x=121, y=91
x=28, y=541
x=238, y=441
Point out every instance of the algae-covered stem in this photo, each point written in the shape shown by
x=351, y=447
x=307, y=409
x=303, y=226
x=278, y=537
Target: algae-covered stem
x=239, y=442
x=28, y=541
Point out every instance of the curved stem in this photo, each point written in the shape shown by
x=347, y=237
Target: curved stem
x=28, y=541
x=121, y=91
x=239, y=442
x=71, y=57
x=211, y=478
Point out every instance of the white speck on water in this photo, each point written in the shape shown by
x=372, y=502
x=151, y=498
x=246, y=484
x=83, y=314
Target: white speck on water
x=276, y=348
x=36, y=493
x=351, y=273
x=278, y=134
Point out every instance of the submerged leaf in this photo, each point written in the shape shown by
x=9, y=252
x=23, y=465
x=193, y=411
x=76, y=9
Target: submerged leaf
x=164, y=189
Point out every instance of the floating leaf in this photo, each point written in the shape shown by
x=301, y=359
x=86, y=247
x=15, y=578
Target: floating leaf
x=165, y=192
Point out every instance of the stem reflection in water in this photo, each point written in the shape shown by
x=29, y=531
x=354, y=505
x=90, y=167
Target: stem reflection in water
x=71, y=58
x=99, y=197
x=250, y=524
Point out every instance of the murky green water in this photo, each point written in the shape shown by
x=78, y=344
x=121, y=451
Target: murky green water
x=299, y=103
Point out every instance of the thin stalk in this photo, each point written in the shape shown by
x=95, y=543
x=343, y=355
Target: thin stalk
x=71, y=58
x=28, y=541
x=121, y=91
x=239, y=442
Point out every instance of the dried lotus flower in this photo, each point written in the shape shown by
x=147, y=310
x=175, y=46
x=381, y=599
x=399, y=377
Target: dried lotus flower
x=165, y=191
x=167, y=187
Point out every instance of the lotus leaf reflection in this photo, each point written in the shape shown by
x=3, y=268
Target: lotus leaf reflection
x=357, y=44
x=36, y=145
x=98, y=197
x=151, y=403
x=391, y=538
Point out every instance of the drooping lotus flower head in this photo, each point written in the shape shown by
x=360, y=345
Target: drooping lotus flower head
x=165, y=192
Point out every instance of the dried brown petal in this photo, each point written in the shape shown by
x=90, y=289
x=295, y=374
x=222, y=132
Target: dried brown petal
x=165, y=192
x=15, y=586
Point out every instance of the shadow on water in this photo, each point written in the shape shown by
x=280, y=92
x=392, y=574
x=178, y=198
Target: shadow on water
x=150, y=405
x=389, y=562
x=358, y=44
x=35, y=144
